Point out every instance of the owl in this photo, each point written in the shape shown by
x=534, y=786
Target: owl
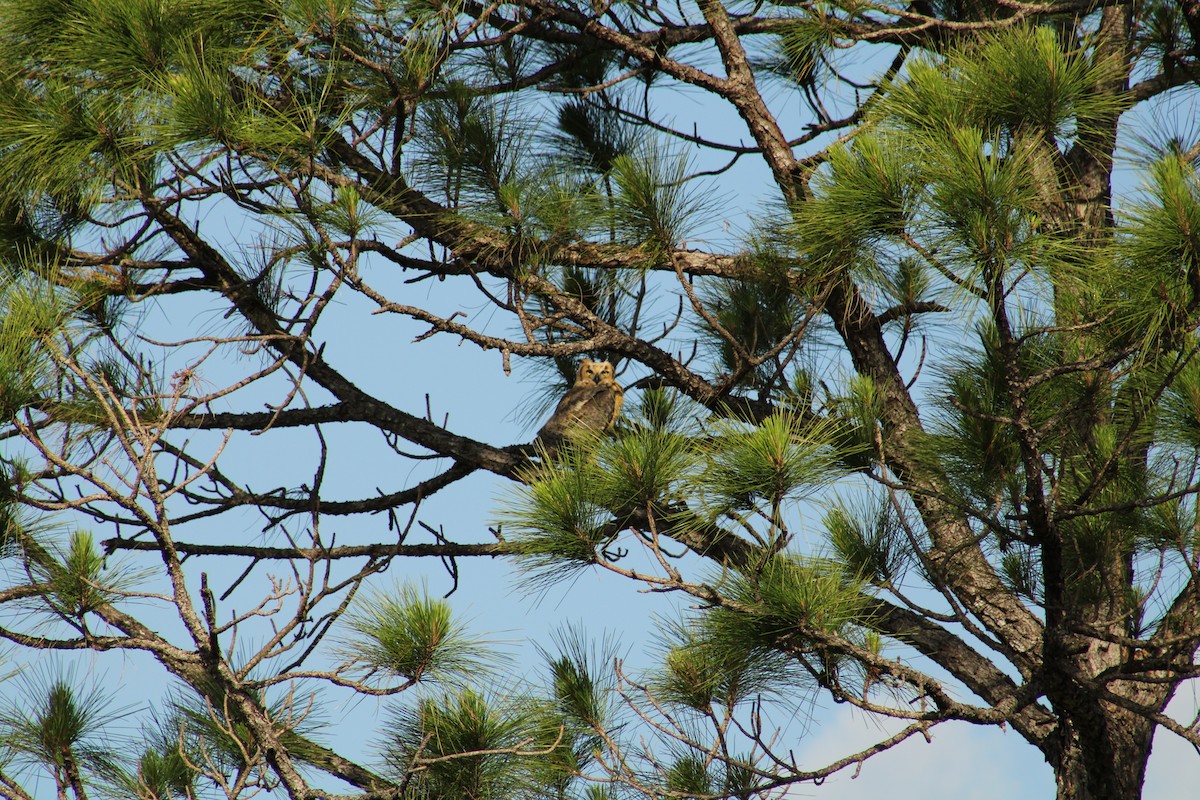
x=591, y=404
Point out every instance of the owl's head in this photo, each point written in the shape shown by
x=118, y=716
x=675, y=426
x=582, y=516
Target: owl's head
x=599, y=372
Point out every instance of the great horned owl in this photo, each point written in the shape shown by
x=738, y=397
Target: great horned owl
x=591, y=404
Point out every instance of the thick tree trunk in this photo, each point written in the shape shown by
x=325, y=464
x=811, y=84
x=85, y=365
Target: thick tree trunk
x=1101, y=754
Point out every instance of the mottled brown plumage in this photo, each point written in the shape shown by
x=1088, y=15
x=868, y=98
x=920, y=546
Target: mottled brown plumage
x=593, y=403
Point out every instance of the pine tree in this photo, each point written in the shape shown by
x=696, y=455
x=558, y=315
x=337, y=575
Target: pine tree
x=958, y=339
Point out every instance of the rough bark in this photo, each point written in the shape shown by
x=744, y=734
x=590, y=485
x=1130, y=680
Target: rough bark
x=1099, y=752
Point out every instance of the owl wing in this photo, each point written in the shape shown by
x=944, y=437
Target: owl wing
x=599, y=411
x=585, y=406
x=617, y=401
x=567, y=414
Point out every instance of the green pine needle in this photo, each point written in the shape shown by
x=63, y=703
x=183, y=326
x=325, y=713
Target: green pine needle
x=654, y=204
x=1013, y=80
x=79, y=587
x=644, y=467
x=803, y=45
x=868, y=540
x=591, y=138
x=780, y=460
x=405, y=633
x=788, y=593
x=865, y=194
x=708, y=662
x=1179, y=417
x=583, y=686
x=555, y=521
x=688, y=775
x=464, y=744
x=1158, y=250
x=1021, y=573
x=51, y=723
